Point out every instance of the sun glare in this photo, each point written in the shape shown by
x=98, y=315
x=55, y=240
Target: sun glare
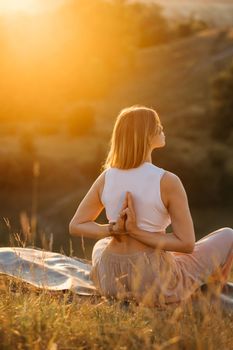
x=8, y=7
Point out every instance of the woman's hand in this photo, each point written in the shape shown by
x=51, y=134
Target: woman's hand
x=129, y=211
x=126, y=221
x=119, y=228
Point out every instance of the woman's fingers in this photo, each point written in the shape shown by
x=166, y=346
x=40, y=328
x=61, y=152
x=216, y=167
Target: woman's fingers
x=131, y=206
x=127, y=208
x=130, y=201
x=126, y=220
x=126, y=200
x=125, y=203
x=128, y=212
x=125, y=212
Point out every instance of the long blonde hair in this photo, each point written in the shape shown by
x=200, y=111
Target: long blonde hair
x=131, y=137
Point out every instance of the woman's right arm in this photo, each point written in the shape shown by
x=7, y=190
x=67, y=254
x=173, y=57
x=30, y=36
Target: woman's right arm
x=83, y=222
x=182, y=239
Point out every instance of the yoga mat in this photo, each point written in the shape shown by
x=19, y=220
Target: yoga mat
x=49, y=270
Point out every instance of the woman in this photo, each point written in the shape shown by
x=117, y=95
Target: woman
x=135, y=257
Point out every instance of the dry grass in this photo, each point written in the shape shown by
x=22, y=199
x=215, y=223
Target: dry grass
x=39, y=319
x=32, y=318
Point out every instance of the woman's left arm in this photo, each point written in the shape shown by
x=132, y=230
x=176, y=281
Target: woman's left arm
x=82, y=223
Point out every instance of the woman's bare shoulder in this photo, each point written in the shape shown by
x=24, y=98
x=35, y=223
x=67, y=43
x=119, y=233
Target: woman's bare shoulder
x=170, y=186
x=170, y=179
x=99, y=182
x=101, y=176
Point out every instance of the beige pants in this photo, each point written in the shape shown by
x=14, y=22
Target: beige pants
x=161, y=276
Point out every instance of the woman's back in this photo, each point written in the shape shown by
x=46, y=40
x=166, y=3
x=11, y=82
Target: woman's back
x=144, y=184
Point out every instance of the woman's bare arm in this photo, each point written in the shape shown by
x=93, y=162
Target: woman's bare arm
x=82, y=224
x=182, y=239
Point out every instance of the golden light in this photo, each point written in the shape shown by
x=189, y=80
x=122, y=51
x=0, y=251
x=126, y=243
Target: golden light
x=9, y=7
x=56, y=52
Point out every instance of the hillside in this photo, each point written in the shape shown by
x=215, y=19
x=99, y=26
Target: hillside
x=213, y=11
x=175, y=78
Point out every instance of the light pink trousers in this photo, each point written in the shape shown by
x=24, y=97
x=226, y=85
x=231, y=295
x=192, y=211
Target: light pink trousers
x=161, y=277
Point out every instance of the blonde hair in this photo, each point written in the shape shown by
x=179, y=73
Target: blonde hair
x=131, y=137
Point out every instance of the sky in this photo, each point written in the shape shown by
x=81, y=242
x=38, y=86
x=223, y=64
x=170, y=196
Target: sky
x=9, y=7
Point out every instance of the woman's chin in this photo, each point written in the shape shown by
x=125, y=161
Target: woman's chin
x=163, y=144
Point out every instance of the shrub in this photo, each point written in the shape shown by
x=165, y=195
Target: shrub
x=190, y=26
x=152, y=26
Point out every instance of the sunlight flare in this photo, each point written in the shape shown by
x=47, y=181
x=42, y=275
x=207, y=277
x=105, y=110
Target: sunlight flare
x=9, y=7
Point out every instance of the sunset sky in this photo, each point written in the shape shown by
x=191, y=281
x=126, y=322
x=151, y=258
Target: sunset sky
x=28, y=6
x=50, y=58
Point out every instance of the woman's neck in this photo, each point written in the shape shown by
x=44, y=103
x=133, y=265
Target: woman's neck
x=148, y=158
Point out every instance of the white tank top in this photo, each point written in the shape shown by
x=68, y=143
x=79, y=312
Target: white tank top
x=144, y=184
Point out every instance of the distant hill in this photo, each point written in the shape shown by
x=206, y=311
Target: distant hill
x=175, y=79
x=216, y=12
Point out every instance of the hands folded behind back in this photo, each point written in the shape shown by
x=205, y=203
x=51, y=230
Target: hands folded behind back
x=126, y=221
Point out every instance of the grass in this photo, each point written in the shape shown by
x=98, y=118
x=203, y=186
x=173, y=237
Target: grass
x=40, y=319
